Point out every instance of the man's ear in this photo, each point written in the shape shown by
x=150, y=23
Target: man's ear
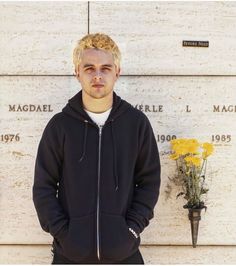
x=118, y=73
x=76, y=74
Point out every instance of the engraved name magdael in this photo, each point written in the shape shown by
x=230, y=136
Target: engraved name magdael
x=30, y=108
x=149, y=108
x=224, y=108
x=9, y=137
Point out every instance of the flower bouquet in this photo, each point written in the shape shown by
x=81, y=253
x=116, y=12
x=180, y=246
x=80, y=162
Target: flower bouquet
x=191, y=163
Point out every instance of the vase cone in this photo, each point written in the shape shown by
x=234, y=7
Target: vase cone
x=194, y=217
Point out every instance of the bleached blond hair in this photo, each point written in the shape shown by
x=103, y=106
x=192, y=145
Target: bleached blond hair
x=97, y=41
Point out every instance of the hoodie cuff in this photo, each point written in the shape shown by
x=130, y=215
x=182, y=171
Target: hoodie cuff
x=133, y=226
x=133, y=232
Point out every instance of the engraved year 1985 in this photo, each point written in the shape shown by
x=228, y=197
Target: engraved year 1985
x=221, y=138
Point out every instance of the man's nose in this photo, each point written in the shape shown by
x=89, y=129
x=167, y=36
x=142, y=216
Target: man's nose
x=97, y=75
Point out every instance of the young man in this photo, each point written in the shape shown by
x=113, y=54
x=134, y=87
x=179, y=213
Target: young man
x=97, y=172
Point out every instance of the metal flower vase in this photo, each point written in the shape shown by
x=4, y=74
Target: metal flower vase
x=194, y=216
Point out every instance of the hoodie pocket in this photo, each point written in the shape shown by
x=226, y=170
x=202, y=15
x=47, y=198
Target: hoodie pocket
x=117, y=242
x=77, y=244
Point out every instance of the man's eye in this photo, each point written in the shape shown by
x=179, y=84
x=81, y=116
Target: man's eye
x=89, y=69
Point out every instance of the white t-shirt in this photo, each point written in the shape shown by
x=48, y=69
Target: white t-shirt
x=99, y=118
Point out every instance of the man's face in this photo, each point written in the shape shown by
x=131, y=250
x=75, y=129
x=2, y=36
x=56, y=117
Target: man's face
x=97, y=73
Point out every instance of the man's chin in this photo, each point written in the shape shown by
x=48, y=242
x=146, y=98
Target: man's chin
x=97, y=94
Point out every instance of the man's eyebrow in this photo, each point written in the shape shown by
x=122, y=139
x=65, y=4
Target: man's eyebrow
x=89, y=65
x=107, y=65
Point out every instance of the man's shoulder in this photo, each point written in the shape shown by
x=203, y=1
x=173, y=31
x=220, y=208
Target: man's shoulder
x=57, y=117
x=56, y=121
x=140, y=118
x=137, y=114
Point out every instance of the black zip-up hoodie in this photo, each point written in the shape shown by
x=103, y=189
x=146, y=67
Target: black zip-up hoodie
x=91, y=184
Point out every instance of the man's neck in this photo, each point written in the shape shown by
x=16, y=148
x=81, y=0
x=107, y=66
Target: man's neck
x=97, y=105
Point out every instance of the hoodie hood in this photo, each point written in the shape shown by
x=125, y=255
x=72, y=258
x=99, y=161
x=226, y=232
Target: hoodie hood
x=74, y=108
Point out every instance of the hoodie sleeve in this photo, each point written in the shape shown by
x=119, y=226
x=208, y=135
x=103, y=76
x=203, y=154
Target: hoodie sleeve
x=46, y=177
x=147, y=181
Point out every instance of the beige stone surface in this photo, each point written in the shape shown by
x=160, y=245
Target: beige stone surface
x=38, y=37
x=20, y=225
x=217, y=255
x=170, y=224
x=150, y=35
x=25, y=254
x=41, y=254
x=42, y=41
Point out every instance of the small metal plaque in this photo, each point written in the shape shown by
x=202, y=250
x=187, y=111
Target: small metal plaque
x=196, y=43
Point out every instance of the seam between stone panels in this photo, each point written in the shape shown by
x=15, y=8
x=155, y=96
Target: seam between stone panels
x=124, y=75
x=142, y=245
x=88, y=16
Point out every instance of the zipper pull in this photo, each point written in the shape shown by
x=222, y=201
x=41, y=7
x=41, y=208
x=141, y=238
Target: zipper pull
x=100, y=129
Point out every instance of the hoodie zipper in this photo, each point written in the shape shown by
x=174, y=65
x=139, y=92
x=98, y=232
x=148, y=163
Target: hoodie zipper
x=98, y=192
x=98, y=188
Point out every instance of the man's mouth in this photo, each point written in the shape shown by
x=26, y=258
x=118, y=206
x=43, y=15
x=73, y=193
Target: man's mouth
x=97, y=85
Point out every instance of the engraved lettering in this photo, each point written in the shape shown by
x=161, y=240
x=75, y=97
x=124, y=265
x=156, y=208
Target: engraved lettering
x=160, y=108
x=38, y=109
x=187, y=109
x=230, y=108
x=30, y=108
x=12, y=108
x=216, y=108
x=224, y=108
x=149, y=108
x=44, y=108
x=19, y=109
x=49, y=108
x=25, y=108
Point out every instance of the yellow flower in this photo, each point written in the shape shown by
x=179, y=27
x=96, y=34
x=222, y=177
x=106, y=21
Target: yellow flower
x=191, y=156
x=193, y=160
x=193, y=146
x=174, y=156
x=207, y=149
x=181, y=149
x=185, y=146
x=190, y=147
